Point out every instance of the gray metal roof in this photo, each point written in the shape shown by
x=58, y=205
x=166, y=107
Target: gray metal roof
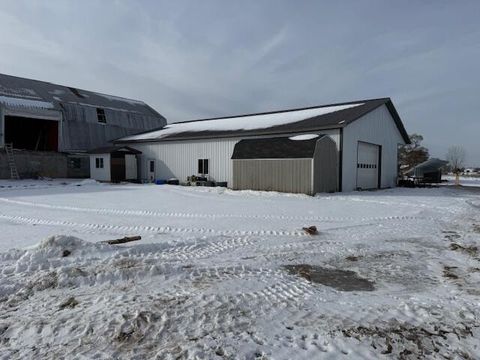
x=431, y=165
x=17, y=91
x=275, y=148
x=114, y=149
x=215, y=127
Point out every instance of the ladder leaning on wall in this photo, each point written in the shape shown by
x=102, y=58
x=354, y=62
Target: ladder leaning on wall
x=11, y=161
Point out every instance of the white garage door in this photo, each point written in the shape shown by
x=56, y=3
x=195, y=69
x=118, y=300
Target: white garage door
x=368, y=165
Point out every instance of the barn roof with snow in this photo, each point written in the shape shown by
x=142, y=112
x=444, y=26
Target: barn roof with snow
x=268, y=123
x=17, y=91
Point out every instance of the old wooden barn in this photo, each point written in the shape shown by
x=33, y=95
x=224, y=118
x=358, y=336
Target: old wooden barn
x=48, y=127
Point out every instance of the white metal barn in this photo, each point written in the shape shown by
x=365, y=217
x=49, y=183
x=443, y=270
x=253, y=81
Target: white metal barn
x=366, y=133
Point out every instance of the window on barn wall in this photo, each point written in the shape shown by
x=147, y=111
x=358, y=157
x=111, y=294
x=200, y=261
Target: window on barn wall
x=102, y=119
x=203, y=166
x=74, y=163
x=99, y=163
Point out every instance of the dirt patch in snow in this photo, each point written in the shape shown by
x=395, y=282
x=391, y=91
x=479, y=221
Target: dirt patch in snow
x=408, y=342
x=449, y=272
x=343, y=280
x=70, y=303
x=468, y=249
x=451, y=235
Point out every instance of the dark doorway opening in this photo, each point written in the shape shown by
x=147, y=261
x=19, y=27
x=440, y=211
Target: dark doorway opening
x=117, y=167
x=31, y=134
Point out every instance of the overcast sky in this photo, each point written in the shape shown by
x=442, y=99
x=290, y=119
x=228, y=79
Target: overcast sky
x=195, y=59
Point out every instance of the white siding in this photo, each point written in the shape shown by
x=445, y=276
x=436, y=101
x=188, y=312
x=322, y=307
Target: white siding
x=179, y=159
x=376, y=127
x=130, y=167
x=100, y=174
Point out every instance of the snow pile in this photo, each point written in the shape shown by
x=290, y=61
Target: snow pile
x=86, y=182
x=241, y=193
x=55, y=246
x=38, y=268
x=251, y=122
x=265, y=194
x=48, y=253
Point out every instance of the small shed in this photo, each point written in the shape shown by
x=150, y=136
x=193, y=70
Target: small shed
x=429, y=171
x=114, y=163
x=299, y=164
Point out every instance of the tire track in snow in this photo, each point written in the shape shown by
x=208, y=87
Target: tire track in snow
x=473, y=203
x=188, y=252
x=149, y=229
x=26, y=187
x=278, y=287
x=125, y=212
x=425, y=205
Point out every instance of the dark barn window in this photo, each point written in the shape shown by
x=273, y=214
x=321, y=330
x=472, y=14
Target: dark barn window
x=101, y=116
x=74, y=163
x=203, y=166
x=99, y=163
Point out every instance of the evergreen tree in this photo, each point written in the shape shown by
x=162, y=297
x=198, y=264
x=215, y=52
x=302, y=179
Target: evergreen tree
x=410, y=155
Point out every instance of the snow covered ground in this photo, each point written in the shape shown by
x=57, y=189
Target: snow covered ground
x=464, y=180
x=398, y=276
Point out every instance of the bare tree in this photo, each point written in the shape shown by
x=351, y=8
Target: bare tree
x=456, y=159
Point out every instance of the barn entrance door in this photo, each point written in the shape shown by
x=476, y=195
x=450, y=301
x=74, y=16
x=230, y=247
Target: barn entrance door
x=368, y=166
x=117, y=167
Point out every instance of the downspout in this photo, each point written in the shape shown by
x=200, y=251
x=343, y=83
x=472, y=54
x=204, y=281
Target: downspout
x=2, y=127
x=312, y=178
x=340, y=162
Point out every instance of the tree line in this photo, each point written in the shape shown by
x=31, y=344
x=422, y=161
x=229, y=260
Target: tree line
x=413, y=154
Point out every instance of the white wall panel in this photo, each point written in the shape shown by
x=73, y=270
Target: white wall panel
x=130, y=167
x=179, y=159
x=101, y=174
